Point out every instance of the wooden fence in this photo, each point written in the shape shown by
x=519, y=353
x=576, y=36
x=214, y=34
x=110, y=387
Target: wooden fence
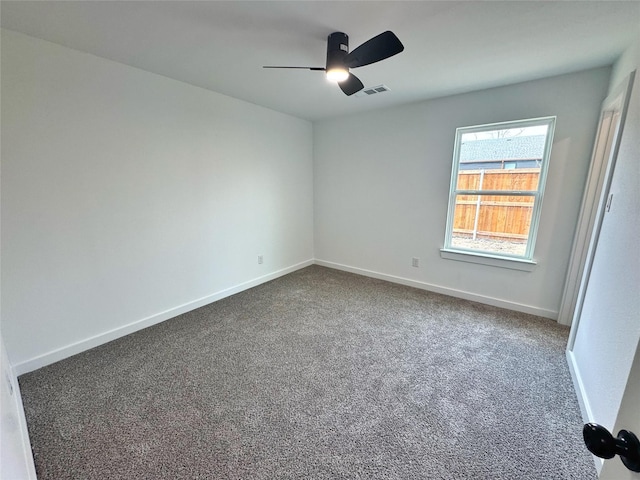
x=495, y=216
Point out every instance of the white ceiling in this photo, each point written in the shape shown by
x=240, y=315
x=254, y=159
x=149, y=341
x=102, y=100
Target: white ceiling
x=450, y=46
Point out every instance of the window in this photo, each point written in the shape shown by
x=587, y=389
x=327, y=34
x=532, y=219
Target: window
x=497, y=183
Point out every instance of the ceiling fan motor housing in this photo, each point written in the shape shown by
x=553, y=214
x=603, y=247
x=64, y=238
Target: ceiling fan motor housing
x=337, y=49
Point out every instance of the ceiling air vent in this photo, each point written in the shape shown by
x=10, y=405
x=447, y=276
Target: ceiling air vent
x=368, y=91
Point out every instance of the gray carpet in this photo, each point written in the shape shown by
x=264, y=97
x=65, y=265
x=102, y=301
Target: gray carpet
x=320, y=374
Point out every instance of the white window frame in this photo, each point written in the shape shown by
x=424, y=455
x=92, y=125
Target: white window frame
x=519, y=262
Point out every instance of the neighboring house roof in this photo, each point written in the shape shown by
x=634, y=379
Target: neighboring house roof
x=529, y=147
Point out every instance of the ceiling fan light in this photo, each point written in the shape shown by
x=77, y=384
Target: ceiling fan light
x=337, y=74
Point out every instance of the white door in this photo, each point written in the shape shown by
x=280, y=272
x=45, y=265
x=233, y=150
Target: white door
x=628, y=419
x=605, y=150
x=603, y=348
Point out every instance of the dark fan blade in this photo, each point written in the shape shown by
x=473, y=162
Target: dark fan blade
x=378, y=48
x=351, y=85
x=301, y=68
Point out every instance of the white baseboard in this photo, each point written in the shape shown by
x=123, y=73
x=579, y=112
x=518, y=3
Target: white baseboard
x=15, y=447
x=29, y=465
x=495, y=302
x=88, y=343
x=583, y=400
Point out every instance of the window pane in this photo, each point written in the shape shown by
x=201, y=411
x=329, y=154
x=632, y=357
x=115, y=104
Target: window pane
x=492, y=223
x=508, y=178
x=502, y=168
x=511, y=159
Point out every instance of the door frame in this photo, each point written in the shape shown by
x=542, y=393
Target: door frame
x=605, y=151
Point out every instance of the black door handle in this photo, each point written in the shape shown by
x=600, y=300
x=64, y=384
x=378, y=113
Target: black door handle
x=602, y=444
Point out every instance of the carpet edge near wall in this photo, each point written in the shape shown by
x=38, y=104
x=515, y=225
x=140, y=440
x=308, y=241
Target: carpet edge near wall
x=452, y=292
x=42, y=360
x=34, y=363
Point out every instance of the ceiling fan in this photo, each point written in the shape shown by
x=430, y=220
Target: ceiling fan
x=340, y=60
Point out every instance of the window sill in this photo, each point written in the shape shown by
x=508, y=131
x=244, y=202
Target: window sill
x=488, y=259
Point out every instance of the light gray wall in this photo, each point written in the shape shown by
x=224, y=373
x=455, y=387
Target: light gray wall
x=627, y=63
x=608, y=332
x=381, y=183
x=128, y=197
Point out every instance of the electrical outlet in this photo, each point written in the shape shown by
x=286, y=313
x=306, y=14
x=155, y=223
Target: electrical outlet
x=260, y=259
x=415, y=262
